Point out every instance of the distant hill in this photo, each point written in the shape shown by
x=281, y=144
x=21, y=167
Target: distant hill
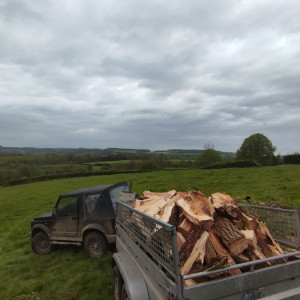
x=33, y=150
x=169, y=152
x=192, y=152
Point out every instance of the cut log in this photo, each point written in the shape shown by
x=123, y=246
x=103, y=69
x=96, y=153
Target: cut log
x=200, y=202
x=238, y=223
x=153, y=208
x=172, y=200
x=263, y=228
x=221, y=251
x=198, y=251
x=250, y=237
x=241, y=258
x=190, y=240
x=143, y=205
x=189, y=282
x=139, y=203
x=230, y=236
x=210, y=252
x=185, y=227
x=167, y=214
x=266, y=246
x=180, y=240
x=195, y=215
x=166, y=195
x=252, y=242
x=249, y=222
x=225, y=204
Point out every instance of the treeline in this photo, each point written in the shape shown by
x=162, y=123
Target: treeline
x=292, y=158
x=210, y=162
x=68, y=158
x=16, y=169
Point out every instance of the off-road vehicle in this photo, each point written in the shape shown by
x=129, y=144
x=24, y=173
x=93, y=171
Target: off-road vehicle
x=82, y=217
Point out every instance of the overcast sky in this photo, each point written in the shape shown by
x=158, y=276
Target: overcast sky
x=149, y=74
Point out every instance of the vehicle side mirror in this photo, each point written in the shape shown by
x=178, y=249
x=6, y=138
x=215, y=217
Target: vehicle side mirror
x=54, y=211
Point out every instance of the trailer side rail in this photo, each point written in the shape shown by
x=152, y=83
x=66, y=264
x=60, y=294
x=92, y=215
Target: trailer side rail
x=284, y=224
x=157, y=238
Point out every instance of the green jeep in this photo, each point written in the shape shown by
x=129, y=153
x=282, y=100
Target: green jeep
x=82, y=217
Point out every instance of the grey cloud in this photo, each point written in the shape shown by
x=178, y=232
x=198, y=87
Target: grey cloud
x=149, y=74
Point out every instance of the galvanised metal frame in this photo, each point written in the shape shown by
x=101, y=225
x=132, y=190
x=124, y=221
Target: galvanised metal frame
x=250, y=264
x=158, y=239
x=284, y=224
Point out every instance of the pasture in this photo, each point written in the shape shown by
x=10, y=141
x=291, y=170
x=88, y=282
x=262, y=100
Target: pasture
x=67, y=273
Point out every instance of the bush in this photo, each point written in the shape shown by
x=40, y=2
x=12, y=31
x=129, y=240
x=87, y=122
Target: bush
x=233, y=164
x=292, y=158
x=207, y=158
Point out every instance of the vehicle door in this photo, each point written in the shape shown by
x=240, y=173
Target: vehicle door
x=98, y=210
x=67, y=218
x=112, y=195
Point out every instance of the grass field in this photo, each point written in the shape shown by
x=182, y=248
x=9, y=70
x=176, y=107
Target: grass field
x=68, y=273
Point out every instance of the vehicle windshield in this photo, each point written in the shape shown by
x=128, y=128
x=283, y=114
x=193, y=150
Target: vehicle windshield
x=115, y=194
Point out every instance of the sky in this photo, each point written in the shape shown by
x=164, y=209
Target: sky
x=151, y=75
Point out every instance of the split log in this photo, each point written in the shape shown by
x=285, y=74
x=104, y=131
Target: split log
x=145, y=204
x=190, y=240
x=200, y=202
x=140, y=202
x=189, y=282
x=225, y=204
x=166, y=195
x=221, y=251
x=252, y=242
x=210, y=252
x=185, y=227
x=153, y=207
x=168, y=214
x=198, y=253
x=238, y=223
x=180, y=240
x=230, y=236
x=195, y=215
x=241, y=258
x=249, y=222
x=263, y=228
x=268, y=249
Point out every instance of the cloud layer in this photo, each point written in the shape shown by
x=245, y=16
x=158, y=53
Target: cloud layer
x=153, y=75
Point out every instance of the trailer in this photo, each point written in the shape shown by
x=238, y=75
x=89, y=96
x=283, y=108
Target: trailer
x=146, y=265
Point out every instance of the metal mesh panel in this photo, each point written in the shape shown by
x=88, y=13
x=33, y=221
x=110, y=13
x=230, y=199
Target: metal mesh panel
x=156, y=237
x=282, y=223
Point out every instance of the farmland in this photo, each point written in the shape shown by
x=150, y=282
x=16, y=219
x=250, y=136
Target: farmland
x=68, y=273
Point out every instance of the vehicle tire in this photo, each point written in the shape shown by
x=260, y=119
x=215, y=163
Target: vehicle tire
x=124, y=295
x=40, y=243
x=95, y=244
x=118, y=281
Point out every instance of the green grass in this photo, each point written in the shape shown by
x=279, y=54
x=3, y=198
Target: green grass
x=68, y=273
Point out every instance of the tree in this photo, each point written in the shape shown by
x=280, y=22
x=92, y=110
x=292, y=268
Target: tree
x=208, y=157
x=257, y=147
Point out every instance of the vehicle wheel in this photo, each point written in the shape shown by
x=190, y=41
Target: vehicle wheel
x=124, y=295
x=95, y=244
x=40, y=243
x=117, y=283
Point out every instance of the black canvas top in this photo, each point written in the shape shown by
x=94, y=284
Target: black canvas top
x=92, y=190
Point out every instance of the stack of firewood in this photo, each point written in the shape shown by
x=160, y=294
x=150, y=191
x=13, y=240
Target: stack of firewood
x=212, y=232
